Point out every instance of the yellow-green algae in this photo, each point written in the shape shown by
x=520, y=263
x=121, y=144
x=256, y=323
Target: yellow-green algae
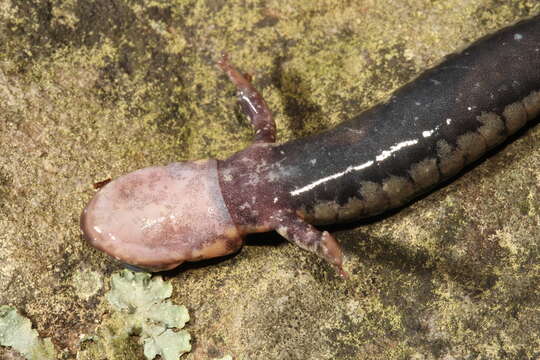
x=92, y=89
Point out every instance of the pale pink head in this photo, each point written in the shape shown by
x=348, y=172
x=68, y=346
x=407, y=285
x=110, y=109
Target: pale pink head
x=159, y=217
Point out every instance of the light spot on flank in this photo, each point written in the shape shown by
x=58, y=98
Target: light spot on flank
x=448, y=121
x=425, y=173
x=427, y=133
x=451, y=159
x=326, y=212
x=244, y=206
x=398, y=189
x=351, y=209
x=518, y=37
x=515, y=115
x=227, y=176
x=472, y=144
x=374, y=198
x=532, y=104
x=272, y=176
x=492, y=129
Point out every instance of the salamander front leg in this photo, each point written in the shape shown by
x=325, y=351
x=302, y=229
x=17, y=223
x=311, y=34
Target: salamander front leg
x=297, y=231
x=252, y=103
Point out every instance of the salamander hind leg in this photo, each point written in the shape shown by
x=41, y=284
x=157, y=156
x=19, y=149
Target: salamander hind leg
x=296, y=230
x=252, y=103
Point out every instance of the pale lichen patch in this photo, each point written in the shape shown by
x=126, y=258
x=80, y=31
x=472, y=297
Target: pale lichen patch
x=141, y=308
x=16, y=332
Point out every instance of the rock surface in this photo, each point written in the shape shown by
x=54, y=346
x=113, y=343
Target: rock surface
x=93, y=89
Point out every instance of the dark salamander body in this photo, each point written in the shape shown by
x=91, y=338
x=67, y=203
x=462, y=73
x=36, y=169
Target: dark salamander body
x=426, y=132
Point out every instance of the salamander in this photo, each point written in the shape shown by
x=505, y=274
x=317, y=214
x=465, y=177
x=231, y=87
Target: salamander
x=427, y=131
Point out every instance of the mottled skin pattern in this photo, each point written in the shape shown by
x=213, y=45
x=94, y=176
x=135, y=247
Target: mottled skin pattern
x=426, y=132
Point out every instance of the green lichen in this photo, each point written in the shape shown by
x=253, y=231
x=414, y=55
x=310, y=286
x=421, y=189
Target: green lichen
x=141, y=309
x=87, y=283
x=16, y=332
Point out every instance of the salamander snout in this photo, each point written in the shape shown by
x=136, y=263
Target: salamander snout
x=159, y=217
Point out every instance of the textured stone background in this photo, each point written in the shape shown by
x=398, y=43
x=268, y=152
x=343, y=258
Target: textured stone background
x=91, y=89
